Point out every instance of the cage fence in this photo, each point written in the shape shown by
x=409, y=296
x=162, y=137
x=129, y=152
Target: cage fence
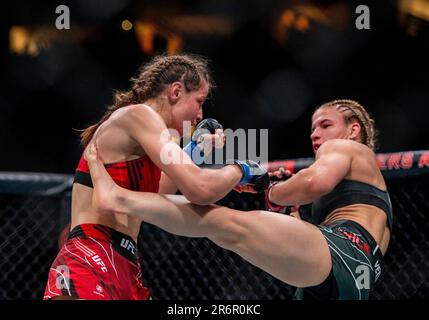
x=35, y=209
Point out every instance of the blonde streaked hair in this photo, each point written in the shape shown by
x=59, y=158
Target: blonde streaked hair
x=354, y=111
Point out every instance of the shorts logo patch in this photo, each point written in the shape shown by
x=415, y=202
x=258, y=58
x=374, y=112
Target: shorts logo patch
x=356, y=240
x=128, y=245
x=99, y=290
x=99, y=262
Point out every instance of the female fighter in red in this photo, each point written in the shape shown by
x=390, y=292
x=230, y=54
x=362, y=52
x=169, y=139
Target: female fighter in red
x=99, y=259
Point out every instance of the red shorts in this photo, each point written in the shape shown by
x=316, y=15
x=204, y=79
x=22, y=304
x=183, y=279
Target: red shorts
x=96, y=263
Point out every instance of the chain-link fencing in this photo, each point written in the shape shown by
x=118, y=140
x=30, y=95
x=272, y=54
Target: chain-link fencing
x=35, y=208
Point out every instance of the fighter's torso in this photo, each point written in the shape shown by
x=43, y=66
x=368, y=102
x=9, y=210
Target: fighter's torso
x=129, y=167
x=360, y=197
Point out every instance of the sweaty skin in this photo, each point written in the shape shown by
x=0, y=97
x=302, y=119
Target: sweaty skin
x=338, y=156
x=285, y=247
x=133, y=132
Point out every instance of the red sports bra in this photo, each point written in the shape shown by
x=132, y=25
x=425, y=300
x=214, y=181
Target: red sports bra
x=138, y=175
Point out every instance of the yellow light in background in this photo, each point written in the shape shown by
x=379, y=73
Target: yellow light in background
x=31, y=40
x=126, y=25
x=174, y=44
x=412, y=14
x=145, y=35
x=302, y=23
x=287, y=18
x=21, y=42
x=418, y=8
x=285, y=22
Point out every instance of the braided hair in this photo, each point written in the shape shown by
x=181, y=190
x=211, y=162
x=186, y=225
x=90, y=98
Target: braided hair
x=354, y=111
x=152, y=78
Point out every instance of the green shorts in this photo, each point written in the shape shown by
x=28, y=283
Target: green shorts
x=357, y=264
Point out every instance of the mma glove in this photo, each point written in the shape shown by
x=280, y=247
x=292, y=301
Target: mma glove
x=193, y=149
x=253, y=174
x=271, y=206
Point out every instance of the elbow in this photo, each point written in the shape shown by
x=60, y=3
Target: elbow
x=201, y=198
x=201, y=194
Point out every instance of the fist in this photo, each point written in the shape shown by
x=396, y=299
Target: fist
x=281, y=174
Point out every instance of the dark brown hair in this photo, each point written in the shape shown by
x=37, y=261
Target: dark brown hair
x=151, y=80
x=354, y=111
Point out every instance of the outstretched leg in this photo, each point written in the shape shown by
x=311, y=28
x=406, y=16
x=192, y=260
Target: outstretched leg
x=289, y=249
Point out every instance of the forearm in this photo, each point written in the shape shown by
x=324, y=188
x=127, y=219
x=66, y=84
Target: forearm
x=299, y=189
x=166, y=185
x=212, y=185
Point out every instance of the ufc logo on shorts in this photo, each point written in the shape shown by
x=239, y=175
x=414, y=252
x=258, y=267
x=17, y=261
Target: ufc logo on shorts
x=100, y=262
x=127, y=244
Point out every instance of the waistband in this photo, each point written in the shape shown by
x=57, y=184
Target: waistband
x=121, y=242
x=366, y=238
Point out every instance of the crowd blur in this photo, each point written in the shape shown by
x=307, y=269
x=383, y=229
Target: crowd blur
x=273, y=62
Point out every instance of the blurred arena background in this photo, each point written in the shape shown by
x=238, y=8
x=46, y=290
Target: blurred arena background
x=273, y=62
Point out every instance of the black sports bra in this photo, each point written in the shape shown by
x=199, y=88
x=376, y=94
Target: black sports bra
x=347, y=192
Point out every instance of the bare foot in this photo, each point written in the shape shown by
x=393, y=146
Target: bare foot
x=105, y=189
